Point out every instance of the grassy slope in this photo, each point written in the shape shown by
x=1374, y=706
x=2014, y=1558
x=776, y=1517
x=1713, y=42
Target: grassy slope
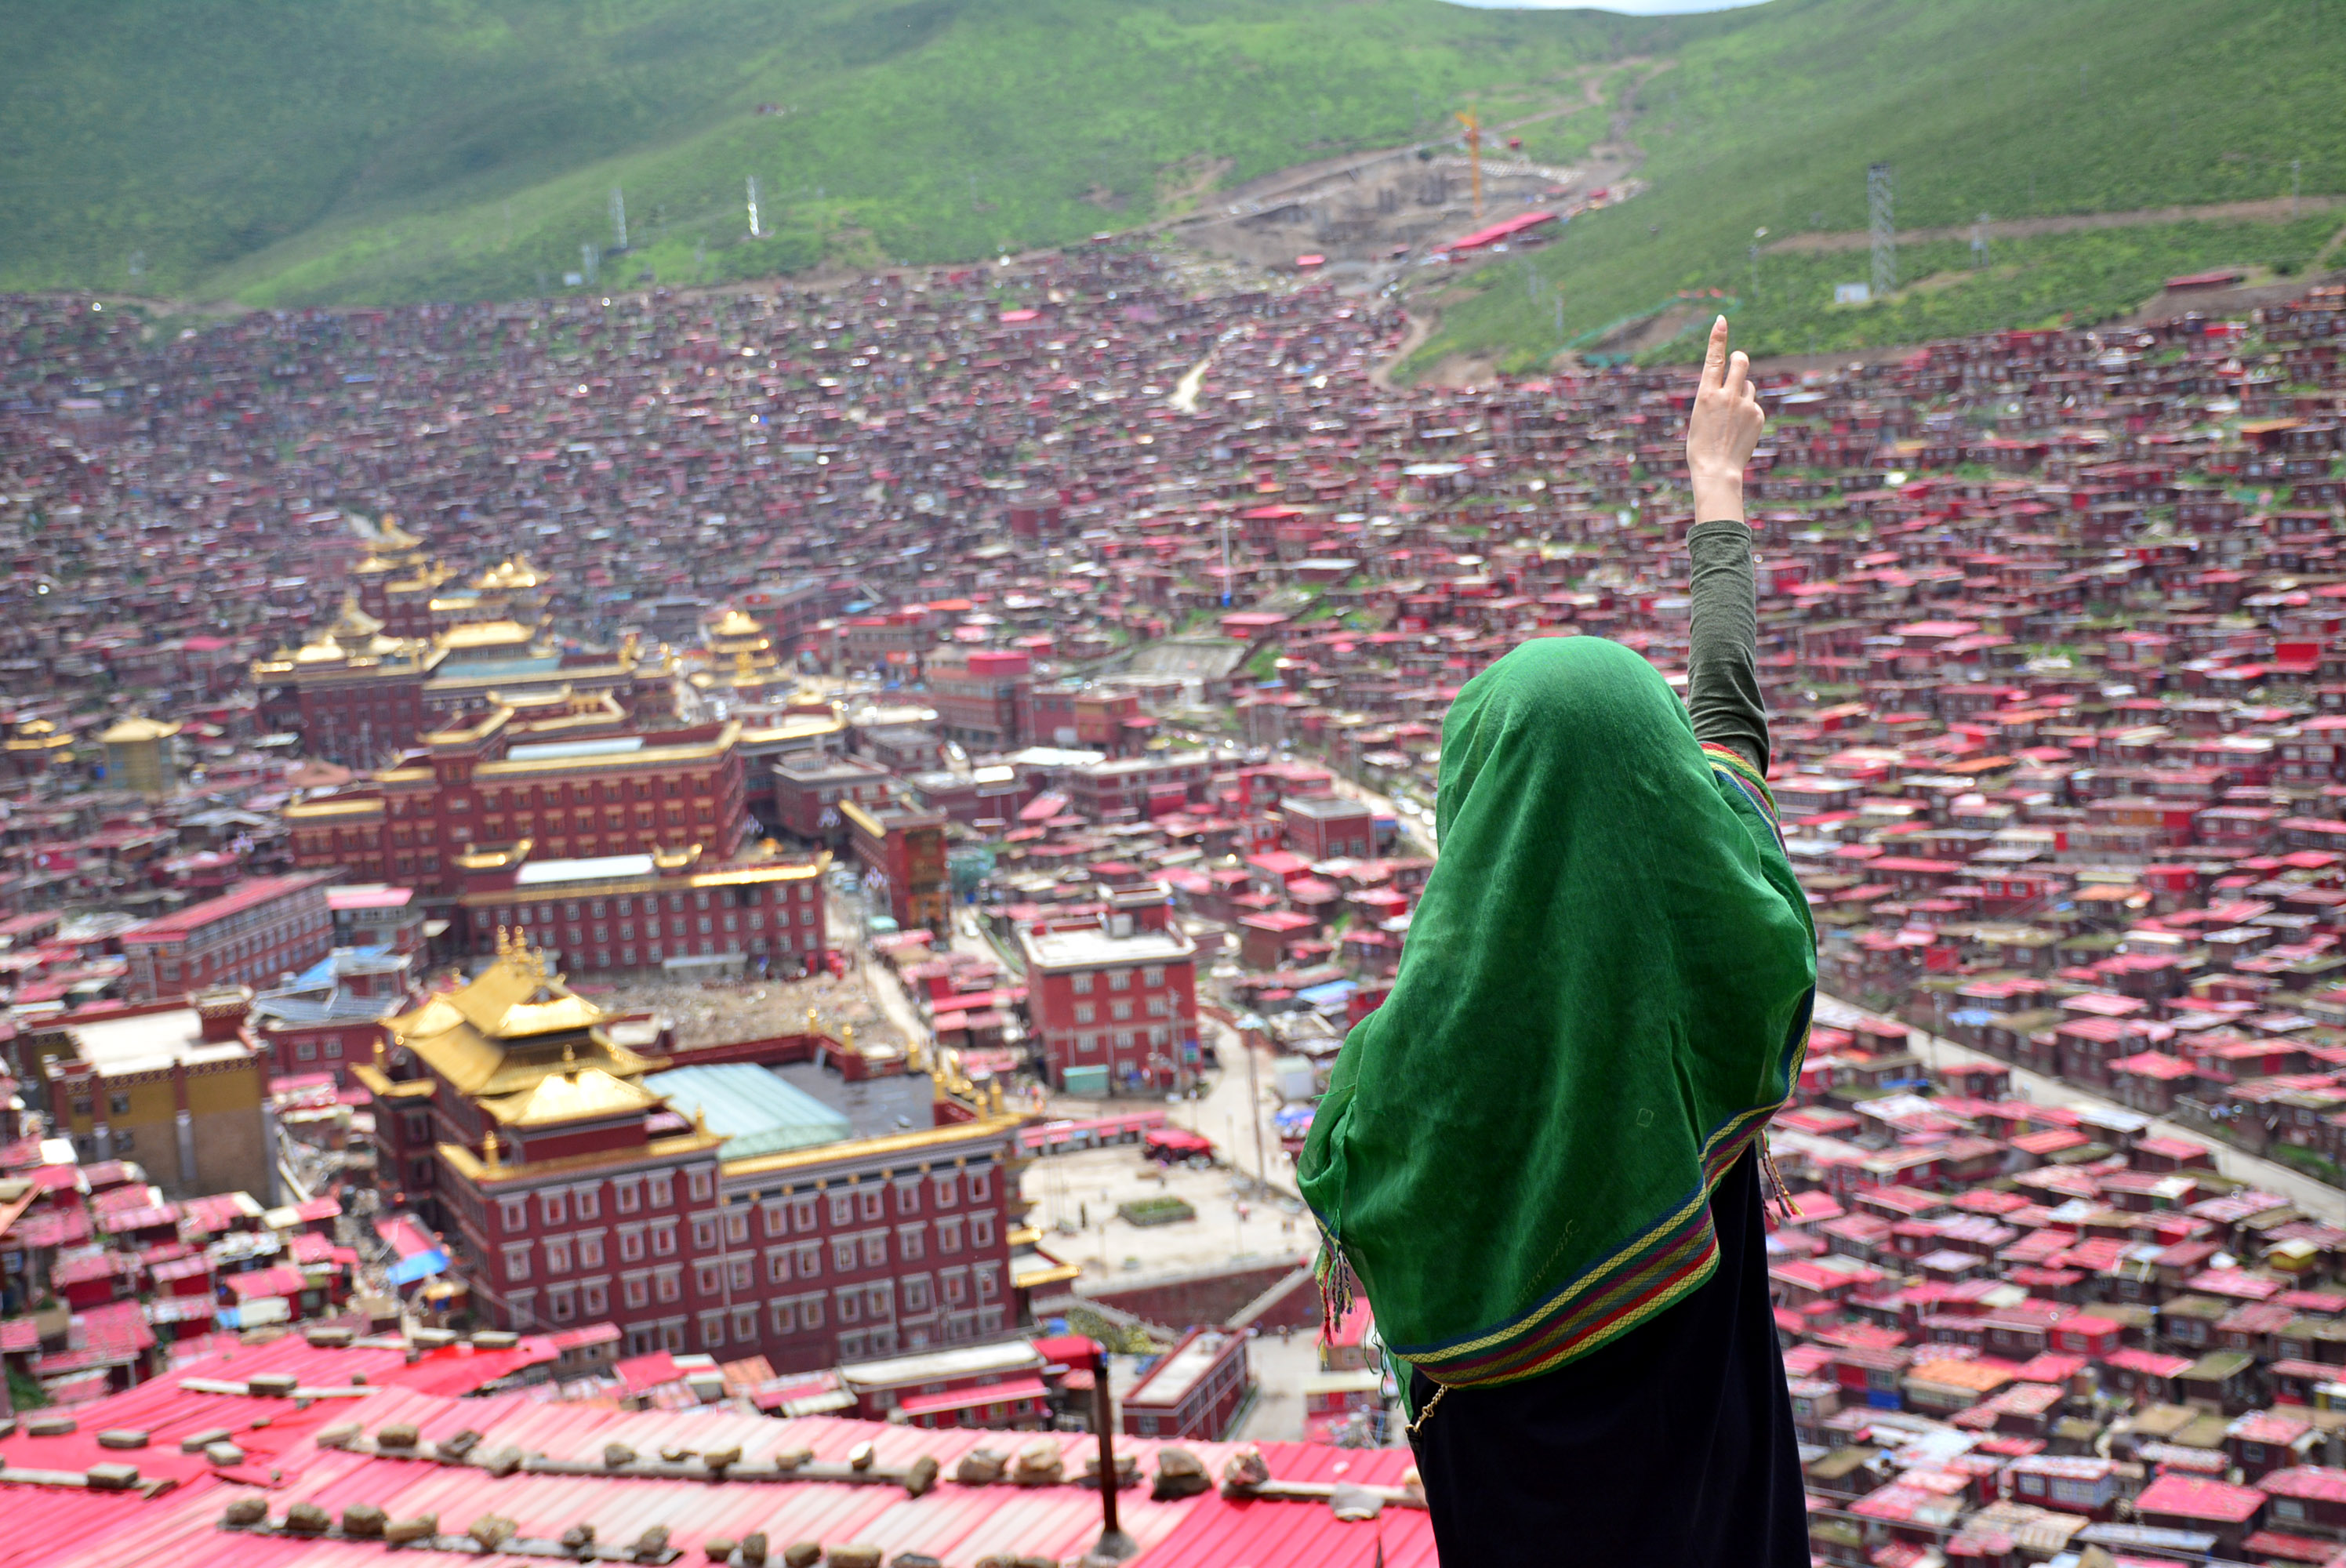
x=2010, y=108
x=287, y=151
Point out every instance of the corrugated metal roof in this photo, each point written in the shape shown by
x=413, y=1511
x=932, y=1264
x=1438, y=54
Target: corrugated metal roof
x=956, y=1524
x=754, y=1110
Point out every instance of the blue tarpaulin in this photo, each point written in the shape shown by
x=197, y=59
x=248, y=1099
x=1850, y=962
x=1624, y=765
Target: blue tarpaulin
x=1335, y=994
x=420, y=1265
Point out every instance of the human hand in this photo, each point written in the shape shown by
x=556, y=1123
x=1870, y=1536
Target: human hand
x=1722, y=430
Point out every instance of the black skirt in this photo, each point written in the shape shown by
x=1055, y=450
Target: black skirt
x=1671, y=1447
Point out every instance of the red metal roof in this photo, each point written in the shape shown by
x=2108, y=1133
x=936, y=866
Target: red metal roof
x=1504, y=228
x=956, y=1524
x=2315, y=1482
x=176, y=926
x=1000, y=1393
x=2195, y=1497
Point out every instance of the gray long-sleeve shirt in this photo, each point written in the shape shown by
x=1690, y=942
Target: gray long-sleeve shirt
x=1723, y=660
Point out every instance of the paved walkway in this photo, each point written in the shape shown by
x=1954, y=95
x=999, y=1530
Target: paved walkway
x=2315, y=1197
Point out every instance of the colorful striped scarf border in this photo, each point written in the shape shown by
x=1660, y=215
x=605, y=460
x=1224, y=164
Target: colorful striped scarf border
x=1652, y=1271
x=1737, y=769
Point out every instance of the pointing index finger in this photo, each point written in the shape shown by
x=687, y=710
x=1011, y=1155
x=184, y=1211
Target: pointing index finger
x=1714, y=358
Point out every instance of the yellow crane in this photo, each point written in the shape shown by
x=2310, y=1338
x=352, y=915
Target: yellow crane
x=1474, y=124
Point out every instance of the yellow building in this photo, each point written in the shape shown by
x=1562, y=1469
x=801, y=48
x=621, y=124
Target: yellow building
x=141, y=755
x=178, y=1088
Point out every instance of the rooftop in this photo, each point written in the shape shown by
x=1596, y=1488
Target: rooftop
x=1085, y=947
x=599, y=868
x=149, y=1042
x=752, y=1108
x=178, y=925
x=558, y=750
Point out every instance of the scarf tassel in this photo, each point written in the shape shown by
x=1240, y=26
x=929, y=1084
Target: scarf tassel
x=1778, y=1198
x=1338, y=1286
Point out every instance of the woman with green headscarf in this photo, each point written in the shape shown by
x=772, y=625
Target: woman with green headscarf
x=1541, y=1158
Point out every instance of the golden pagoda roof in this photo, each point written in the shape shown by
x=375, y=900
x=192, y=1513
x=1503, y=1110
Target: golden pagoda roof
x=137, y=727
x=577, y=1094
x=323, y=650
x=353, y=624
x=36, y=735
x=389, y=535
x=499, y=1037
x=513, y=572
x=735, y=624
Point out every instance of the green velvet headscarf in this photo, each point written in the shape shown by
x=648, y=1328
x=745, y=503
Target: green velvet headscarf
x=1604, y=995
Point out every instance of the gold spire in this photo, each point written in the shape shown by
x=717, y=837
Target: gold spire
x=489, y=1148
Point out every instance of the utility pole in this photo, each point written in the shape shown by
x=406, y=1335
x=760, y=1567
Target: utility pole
x=1114, y=1545
x=1251, y=1029
x=1883, y=226
x=619, y=220
x=1757, y=235
x=1473, y=121
x=2296, y=167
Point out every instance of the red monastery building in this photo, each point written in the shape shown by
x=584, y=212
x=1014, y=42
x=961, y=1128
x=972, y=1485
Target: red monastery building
x=474, y=785
x=1114, y=999
x=409, y=651
x=741, y=1208
x=254, y=935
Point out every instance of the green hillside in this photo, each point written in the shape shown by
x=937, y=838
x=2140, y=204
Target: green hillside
x=2012, y=108
x=290, y=151
x=297, y=151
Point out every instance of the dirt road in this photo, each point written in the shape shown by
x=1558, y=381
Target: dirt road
x=2315, y=1197
x=2274, y=209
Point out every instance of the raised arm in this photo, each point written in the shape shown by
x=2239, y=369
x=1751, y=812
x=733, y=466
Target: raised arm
x=1723, y=660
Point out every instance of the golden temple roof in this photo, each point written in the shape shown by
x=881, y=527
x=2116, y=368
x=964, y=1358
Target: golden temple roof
x=137, y=727
x=390, y=536
x=513, y=572
x=40, y=735
x=353, y=624
x=735, y=624
x=501, y=1037
x=577, y=1094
